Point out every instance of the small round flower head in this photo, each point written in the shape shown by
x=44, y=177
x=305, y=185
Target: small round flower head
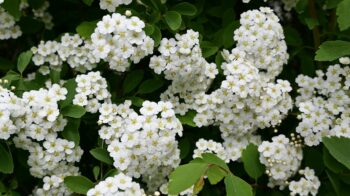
x=91, y=90
x=306, y=185
x=120, y=40
x=8, y=27
x=119, y=184
x=111, y=5
x=282, y=159
x=142, y=145
x=324, y=104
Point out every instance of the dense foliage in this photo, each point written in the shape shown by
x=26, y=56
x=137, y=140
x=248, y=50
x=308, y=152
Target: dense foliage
x=170, y=97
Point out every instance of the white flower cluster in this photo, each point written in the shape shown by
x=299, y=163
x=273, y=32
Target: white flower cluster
x=119, y=184
x=119, y=40
x=36, y=121
x=209, y=146
x=307, y=185
x=249, y=98
x=91, y=89
x=230, y=150
x=40, y=13
x=71, y=49
x=8, y=27
x=1, y=1
x=111, y=5
x=324, y=103
x=181, y=62
x=142, y=144
x=282, y=159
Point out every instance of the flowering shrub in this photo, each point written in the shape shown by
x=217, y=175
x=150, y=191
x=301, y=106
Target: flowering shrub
x=160, y=97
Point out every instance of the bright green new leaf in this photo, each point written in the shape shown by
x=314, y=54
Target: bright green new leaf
x=6, y=162
x=215, y=174
x=213, y=159
x=55, y=76
x=78, y=184
x=85, y=29
x=101, y=155
x=96, y=172
x=187, y=119
x=149, y=86
x=71, y=130
x=12, y=76
x=131, y=81
x=24, y=60
x=338, y=147
x=252, y=165
x=235, y=186
x=74, y=111
x=185, y=176
x=173, y=19
x=185, y=8
x=343, y=13
x=331, y=50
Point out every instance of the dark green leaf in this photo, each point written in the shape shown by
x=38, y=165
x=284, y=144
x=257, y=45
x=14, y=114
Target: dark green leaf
x=173, y=19
x=101, y=155
x=6, y=162
x=185, y=8
x=71, y=130
x=235, y=186
x=88, y=2
x=12, y=7
x=156, y=36
x=132, y=80
x=55, y=76
x=78, y=184
x=73, y=111
x=343, y=14
x=250, y=159
x=331, y=50
x=339, y=147
x=150, y=86
x=24, y=60
x=70, y=85
x=185, y=176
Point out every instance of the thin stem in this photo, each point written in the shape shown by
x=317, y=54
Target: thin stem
x=315, y=30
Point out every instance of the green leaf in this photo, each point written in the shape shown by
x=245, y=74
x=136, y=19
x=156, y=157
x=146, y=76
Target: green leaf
x=215, y=174
x=208, y=49
x=137, y=101
x=250, y=159
x=331, y=163
x=55, y=76
x=187, y=119
x=74, y=111
x=184, y=146
x=311, y=22
x=71, y=130
x=70, y=85
x=156, y=36
x=235, y=186
x=185, y=8
x=343, y=14
x=185, y=176
x=173, y=19
x=198, y=186
x=6, y=162
x=101, y=155
x=213, y=159
x=330, y=4
x=88, y=2
x=111, y=173
x=24, y=60
x=12, y=7
x=12, y=76
x=150, y=86
x=149, y=29
x=3, y=188
x=85, y=29
x=339, y=147
x=132, y=80
x=331, y=50
x=78, y=184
